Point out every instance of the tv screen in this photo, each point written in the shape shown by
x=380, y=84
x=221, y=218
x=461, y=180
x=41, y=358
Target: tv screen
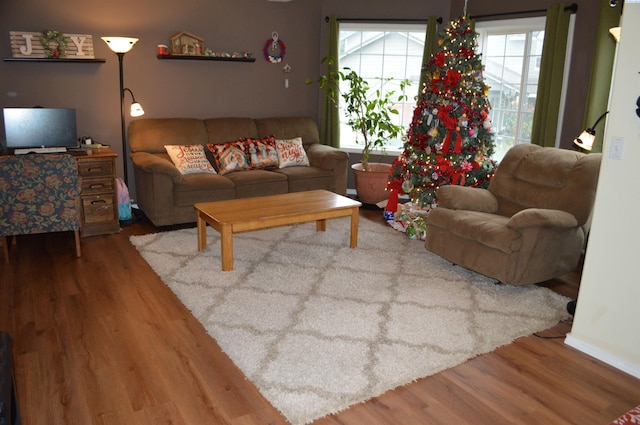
x=40, y=128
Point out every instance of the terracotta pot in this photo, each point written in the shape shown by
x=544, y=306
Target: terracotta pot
x=371, y=184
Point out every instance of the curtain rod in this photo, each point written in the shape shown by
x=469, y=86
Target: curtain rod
x=573, y=8
x=326, y=19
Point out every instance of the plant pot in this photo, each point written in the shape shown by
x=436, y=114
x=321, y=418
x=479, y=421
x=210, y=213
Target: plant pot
x=371, y=184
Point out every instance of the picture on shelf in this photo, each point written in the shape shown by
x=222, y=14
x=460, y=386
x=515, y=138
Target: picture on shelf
x=51, y=44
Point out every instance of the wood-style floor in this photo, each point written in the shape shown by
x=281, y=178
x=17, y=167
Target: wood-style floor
x=101, y=340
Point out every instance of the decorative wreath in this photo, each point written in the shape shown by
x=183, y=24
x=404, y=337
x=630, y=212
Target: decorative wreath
x=58, y=39
x=272, y=46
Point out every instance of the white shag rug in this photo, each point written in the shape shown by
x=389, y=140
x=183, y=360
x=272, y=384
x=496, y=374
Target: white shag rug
x=318, y=326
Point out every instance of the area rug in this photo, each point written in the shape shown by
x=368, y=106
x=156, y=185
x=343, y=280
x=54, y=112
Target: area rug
x=629, y=418
x=318, y=326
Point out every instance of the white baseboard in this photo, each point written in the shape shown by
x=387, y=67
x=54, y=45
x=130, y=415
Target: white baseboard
x=608, y=358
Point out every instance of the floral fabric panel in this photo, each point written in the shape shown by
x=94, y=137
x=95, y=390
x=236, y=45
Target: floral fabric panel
x=38, y=194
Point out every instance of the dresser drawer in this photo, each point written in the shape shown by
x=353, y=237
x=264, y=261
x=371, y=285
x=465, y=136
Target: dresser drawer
x=98, y=196
x=91, y=186
x=96, y=168
x=98, y=208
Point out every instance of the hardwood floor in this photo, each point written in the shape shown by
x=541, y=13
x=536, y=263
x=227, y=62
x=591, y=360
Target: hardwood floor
x=101, y=340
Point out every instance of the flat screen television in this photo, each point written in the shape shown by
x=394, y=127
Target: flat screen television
x=40, y=128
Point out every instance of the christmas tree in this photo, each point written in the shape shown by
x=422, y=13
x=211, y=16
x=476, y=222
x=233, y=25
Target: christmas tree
x=449, y=140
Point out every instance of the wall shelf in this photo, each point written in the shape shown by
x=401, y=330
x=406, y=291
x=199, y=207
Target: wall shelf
x=204, y=58
x=61, y=60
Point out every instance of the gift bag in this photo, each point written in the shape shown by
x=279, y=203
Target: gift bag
x=124, y=201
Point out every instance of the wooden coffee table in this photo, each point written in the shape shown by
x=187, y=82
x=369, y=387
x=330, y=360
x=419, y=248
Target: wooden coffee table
x=241, y=215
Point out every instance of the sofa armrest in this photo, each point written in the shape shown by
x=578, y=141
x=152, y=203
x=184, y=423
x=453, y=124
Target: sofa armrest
x=155, y=164
x=467, y=198
x=538, y=217
x=325, y=156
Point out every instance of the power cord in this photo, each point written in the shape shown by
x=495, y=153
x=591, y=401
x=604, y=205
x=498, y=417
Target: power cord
x=568, y=322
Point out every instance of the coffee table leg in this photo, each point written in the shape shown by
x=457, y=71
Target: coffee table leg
x=354, y=227
x=202, y=233
x=321, y=225
x=226, y=247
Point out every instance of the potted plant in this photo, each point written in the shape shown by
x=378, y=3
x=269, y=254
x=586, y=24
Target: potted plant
x=370, y=113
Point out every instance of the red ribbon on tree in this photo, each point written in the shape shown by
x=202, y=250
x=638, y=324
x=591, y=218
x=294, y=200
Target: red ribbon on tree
x=450, y=123
x=451, y=79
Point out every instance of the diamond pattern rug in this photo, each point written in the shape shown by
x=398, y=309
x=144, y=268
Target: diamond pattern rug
x=318, y=326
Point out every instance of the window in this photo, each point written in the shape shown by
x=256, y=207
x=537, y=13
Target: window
x=382, y=50
x=511, y=52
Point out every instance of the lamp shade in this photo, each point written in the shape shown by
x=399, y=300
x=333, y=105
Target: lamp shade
x=585, y=139
x=136, y=110
x=120, y=44
x=615, y=32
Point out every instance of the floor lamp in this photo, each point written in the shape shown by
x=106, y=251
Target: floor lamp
x=587, y=137
x=120, y=46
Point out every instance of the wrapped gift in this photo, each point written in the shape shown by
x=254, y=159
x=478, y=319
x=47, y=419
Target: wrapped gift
x=410, y=219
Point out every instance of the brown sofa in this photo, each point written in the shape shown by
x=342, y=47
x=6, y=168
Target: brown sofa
x=167, y=197
x=530, y=224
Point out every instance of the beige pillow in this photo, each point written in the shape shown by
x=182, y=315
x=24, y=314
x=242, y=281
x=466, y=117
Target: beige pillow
x=291, y=153
x=189, y=159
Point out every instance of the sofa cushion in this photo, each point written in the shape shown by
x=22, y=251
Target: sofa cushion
x=291, y=153
x=289, y=128
x=223, y=130
x=488, y=229
x=196, y=188
x=189, y=159
x=307, y=178
x=258, y=183
x=568, y=182
x=467, y=198
x=151, y=134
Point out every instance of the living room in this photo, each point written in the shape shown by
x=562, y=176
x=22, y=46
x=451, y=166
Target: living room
x=218, y=89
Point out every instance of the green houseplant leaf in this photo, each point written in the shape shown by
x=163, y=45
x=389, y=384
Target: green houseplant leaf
x=370, y=113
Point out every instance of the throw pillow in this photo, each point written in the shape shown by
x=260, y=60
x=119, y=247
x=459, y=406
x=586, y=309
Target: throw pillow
x=291, y=153
x=229, y=156
x=189, y=159
x=261, y=153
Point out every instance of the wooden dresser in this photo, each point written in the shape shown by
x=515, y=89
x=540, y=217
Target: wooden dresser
x=99, y=203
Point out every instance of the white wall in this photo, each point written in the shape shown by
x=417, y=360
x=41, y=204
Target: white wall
x=607, y=320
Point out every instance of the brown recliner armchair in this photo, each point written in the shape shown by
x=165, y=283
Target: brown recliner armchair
x=529, y=226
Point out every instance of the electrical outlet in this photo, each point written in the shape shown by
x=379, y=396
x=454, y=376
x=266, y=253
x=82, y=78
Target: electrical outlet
x=617, y=148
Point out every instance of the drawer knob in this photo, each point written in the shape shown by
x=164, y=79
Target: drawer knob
x=98, y=201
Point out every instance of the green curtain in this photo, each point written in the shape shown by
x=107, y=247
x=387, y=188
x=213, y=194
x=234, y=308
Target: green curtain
x=601, y=70
x=430, y=46
x=545, y=117
x=329, y=118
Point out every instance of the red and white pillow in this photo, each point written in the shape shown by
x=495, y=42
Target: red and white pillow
x=261, y=153
x=229, y=156
x=253, y=154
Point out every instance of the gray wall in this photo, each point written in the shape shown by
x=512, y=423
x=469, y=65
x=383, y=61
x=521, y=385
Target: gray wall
x=211, y=89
